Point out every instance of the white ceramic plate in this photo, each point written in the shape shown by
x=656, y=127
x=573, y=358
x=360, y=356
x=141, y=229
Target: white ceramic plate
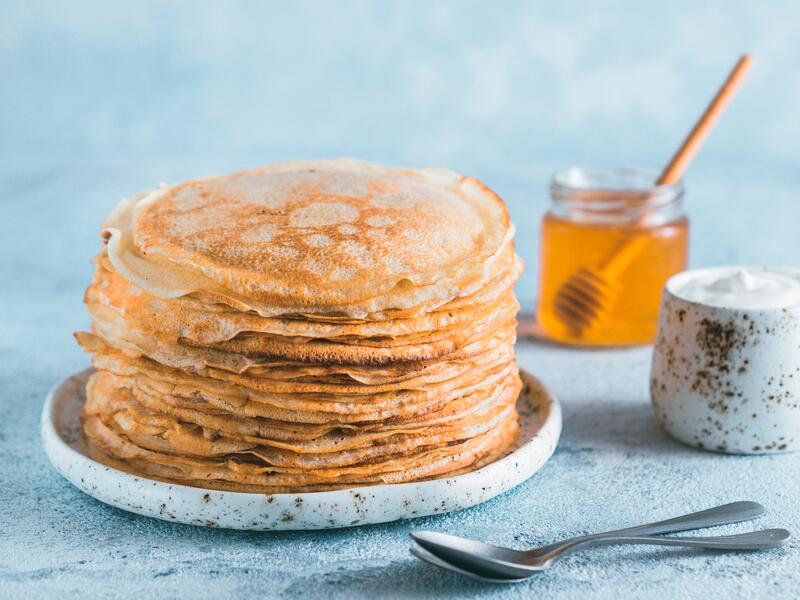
x=540, y=416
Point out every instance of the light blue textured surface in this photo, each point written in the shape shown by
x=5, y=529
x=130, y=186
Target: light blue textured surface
x=103, y=99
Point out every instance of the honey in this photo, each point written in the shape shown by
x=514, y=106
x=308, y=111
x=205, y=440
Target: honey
x=608, y=244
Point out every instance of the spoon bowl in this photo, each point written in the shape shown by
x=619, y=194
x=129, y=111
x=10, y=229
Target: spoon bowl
x=434, y=560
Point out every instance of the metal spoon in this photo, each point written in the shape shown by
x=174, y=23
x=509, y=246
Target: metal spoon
x=504, y=563
x=452, y=549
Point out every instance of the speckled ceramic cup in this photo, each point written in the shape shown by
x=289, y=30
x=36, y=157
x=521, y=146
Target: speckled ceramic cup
x=727, y=379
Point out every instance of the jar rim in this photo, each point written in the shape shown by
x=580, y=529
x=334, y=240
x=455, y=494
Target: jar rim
x=615, y=195
x=622, y=179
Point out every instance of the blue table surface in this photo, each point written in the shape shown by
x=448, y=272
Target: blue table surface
x=612, y=468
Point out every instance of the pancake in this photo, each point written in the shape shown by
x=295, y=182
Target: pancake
x=114, y=325
x=190, y=314
x=165, y=427
x=178, y=319
x=109, y=448
x=240, y=396
x=336, y=236
x=417, y=373
x=144, y=452
x=304, y=327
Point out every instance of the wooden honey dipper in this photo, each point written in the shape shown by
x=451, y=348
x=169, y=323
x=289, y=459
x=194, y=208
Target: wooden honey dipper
x=589, y=292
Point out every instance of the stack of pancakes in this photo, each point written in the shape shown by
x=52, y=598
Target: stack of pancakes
x=304, y=326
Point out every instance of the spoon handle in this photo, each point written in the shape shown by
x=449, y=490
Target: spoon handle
x=754, y=540
x=726, y=514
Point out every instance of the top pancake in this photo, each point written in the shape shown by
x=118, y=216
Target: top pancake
x=336, y=237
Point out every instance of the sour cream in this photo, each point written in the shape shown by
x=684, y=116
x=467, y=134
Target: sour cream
x=741, y=287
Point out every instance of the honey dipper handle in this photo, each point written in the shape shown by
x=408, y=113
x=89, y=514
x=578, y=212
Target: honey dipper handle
x=627, y=251
x=622, y=256
x=674, y=170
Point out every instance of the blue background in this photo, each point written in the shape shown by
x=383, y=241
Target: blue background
x=102, y=99
x=143, y=92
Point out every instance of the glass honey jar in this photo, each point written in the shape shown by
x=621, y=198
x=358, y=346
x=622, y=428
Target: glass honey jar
x=609, y=241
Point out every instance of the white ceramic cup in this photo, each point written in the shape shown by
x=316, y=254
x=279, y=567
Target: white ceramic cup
x=727, y=379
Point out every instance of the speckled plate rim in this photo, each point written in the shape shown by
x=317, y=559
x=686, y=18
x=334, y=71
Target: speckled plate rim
x=540, y=419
